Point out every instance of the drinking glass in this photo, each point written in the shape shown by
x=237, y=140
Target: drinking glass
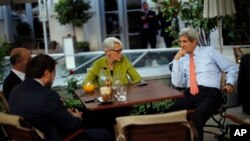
x=116, y=83
x=88, y=87
x=106, y=93
x=121, y=92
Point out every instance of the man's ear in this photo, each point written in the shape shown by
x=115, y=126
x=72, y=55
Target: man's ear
x=46, y=74
x=18, y=63
x=196, y=42
x=45, y=77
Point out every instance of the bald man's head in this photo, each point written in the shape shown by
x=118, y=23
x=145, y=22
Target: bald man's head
x=19, y=58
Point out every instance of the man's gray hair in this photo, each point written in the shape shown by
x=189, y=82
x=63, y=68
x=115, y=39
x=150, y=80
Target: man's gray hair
x=190, y=32
x=109, y=43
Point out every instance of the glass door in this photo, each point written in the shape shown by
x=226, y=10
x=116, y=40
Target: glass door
x=120, y=19
x=25, y=24
x=22, y=25
x=132, y=14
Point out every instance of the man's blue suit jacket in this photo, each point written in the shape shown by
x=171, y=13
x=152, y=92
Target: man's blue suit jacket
x=43, y=109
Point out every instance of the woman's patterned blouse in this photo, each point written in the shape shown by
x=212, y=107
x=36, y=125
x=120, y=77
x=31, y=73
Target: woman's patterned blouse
x=122, y=70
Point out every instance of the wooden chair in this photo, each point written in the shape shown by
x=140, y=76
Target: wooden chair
x=238, y=54
x=173, y=126
x=17, y=129
x=4, y=107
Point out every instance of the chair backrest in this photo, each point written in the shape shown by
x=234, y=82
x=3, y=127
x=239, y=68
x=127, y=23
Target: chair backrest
x=52, y=45
x=4, y=107
x=223, y=108
x=173, y=126
x=17, y=129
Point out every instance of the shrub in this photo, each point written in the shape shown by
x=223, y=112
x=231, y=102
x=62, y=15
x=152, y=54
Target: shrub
x=73, y=103
x=155, y=107
x=72, y=84
x=4, y=51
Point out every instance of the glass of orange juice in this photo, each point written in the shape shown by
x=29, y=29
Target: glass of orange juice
x=88, y=87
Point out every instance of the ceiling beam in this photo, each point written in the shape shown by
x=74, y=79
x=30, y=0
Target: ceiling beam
x=7, y=2
x=23, y=1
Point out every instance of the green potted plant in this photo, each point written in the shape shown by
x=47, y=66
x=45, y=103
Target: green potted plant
x=191, y=13
x=236, y=30
x=73, y=11
x=171, y=9
x=82, y=46
x=4, y=51
x=71, y=85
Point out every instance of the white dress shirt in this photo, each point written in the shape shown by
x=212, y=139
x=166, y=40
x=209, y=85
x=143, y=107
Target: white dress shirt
x=21, y=75
x=209, y=63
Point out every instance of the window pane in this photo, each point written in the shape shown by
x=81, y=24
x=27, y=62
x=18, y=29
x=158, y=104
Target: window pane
x=112, y=23
x=133, y=22
x=133, y=4
x=134, y=42
x=110, y=5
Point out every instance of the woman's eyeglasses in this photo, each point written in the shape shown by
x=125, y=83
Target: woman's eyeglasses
x=117, y=50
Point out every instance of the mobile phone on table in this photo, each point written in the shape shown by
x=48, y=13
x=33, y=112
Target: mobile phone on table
x=89, y=99
x=142, y=83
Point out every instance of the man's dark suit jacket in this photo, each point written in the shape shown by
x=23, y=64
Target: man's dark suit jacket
x=9, y=83
x=43, y=109
x=243, y=83
x=152, y=22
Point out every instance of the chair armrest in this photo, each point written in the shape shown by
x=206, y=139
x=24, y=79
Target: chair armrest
x=235, y=119
x=73, y=135
x=3, y=103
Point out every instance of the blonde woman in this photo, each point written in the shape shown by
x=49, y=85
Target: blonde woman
x=113, y=64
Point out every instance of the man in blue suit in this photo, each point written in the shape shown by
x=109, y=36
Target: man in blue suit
x=19, y=58
x=42, y=107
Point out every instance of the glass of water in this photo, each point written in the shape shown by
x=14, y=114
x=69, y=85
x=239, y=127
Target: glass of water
x=121, y=92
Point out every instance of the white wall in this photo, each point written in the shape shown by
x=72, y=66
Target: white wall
x=90, y=32
x=4, y=30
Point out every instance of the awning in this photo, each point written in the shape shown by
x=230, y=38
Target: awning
x=7, y=2
x=218, y=9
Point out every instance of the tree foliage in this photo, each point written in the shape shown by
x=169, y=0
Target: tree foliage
x=73, y=11
x=191, y=13
x=4, y=51
x=236, y=31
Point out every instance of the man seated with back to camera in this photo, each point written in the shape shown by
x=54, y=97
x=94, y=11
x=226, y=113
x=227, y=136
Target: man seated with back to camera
x=199, y=69
x=19, y=57
x=42, y=107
